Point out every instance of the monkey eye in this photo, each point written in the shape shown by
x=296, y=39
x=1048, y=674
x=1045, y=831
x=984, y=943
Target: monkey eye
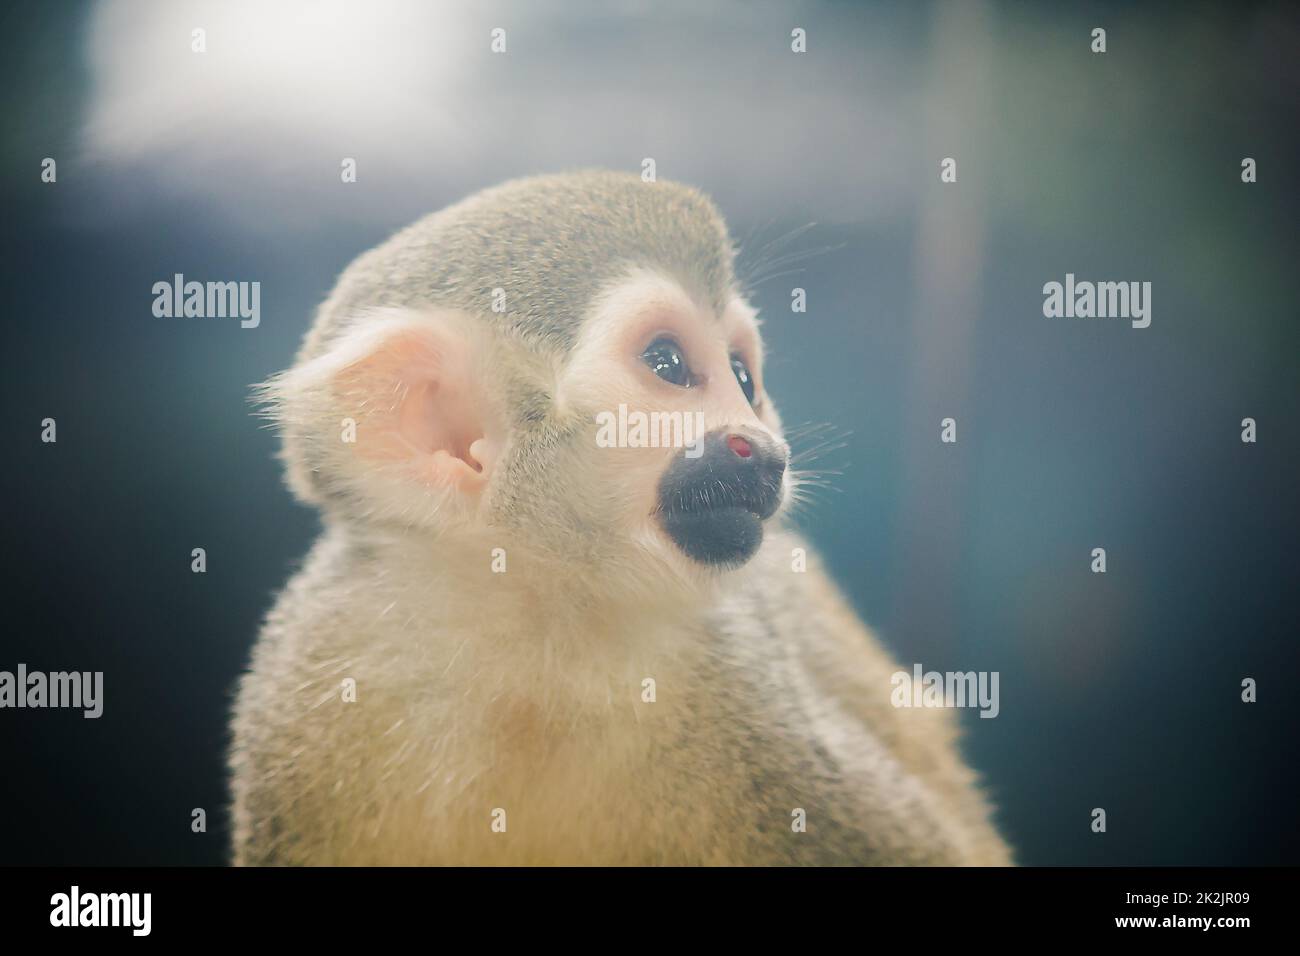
x=664, y=358
x=741, y=371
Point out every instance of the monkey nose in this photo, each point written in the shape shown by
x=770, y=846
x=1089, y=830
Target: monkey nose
x=744, y=466
x=752, y=451
x=713, y=505
x=739, y=445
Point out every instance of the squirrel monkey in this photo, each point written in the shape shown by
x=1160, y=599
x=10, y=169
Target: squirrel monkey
x=516, y=644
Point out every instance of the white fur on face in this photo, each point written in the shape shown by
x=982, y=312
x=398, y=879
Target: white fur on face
x=605, y=372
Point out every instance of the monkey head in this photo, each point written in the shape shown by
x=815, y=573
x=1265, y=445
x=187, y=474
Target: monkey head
x=563, y=365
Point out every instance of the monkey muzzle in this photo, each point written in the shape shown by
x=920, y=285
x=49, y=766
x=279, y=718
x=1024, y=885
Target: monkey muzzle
x=713, y=506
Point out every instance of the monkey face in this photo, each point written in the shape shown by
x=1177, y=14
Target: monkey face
x=682, y=422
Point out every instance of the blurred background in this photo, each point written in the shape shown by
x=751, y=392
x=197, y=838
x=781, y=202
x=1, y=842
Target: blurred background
x=1119, y=691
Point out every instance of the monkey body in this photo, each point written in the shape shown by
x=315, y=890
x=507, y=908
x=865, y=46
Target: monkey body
x=511, y=646
x=766, y=703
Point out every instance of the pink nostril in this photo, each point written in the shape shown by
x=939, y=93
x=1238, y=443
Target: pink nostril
x=739, y=446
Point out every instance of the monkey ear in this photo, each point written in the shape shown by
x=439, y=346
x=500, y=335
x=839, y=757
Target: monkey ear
x=402, y=395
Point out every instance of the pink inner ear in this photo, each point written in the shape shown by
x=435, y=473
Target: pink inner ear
x=423, y=407
x=435, y=418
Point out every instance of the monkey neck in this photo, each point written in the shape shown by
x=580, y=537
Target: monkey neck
x=499, y=590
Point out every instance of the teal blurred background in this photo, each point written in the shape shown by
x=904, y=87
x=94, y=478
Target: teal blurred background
x=924, y=302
